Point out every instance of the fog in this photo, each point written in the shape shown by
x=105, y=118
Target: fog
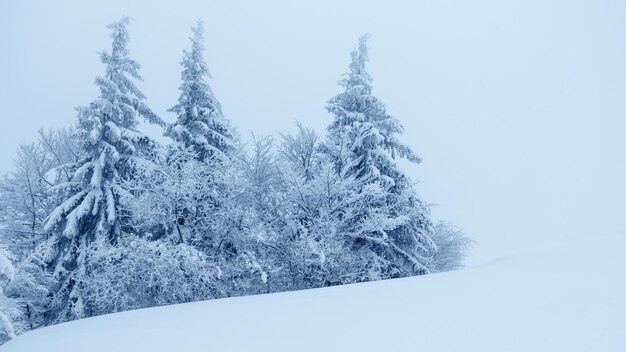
x=517, y=108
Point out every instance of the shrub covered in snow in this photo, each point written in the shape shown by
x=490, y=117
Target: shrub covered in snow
x=137, y=273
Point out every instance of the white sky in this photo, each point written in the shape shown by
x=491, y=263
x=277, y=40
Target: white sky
x=518, y=108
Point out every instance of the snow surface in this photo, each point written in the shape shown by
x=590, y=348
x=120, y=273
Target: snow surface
x=568, y=296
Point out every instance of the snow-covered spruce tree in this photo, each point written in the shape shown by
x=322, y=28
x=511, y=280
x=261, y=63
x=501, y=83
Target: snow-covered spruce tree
x=364, y=129
x=329, y=212
x=110, y=143
x=200, y=129
x=200, y=122
x=364, y=137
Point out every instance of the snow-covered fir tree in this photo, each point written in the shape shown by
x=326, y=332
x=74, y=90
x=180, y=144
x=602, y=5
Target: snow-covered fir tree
x=337, y=227
x=200, y=130
x=364, y=137
x=362, y=128
x=200, y=122
x=110, y=143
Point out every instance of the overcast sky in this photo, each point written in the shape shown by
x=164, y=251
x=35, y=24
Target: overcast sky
x=517, y=108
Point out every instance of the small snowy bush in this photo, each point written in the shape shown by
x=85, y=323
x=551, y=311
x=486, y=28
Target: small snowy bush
x=138, y=273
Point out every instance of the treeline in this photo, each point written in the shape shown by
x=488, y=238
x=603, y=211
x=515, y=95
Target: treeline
x=101, y=218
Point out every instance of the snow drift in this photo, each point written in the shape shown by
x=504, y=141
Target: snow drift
x=570, y=296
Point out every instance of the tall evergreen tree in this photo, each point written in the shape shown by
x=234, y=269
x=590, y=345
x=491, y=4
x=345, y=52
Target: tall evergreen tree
x=200, y=130
x=110, y=143
x=362, y=130
x=364, y=138
x=200, y=122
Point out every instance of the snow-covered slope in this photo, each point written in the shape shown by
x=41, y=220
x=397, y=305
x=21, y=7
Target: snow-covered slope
x=565, y=297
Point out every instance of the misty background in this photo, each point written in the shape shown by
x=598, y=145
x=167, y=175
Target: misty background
x=517, y=108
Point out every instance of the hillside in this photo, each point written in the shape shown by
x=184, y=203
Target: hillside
x=567, y=296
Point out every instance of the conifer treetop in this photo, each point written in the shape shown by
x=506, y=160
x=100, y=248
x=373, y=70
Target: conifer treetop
x=362, y=128
x=200, y=121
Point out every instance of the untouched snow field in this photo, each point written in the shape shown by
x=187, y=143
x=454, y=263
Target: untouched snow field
x=569, y=296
